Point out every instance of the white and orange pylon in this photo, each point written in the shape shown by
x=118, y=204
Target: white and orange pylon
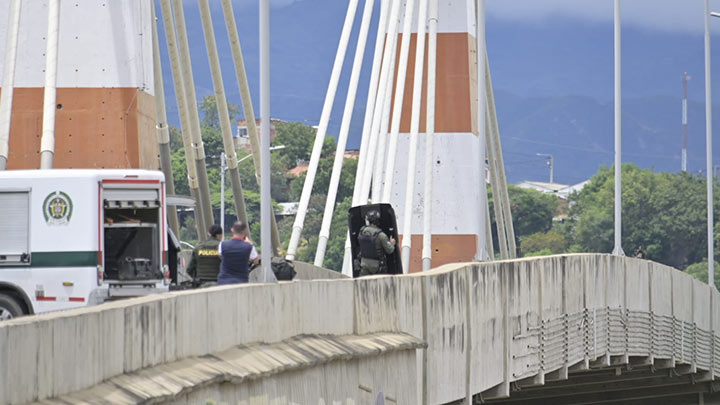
x=424, y=150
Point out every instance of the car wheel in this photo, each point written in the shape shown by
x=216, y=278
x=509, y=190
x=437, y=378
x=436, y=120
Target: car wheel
x=9, y=308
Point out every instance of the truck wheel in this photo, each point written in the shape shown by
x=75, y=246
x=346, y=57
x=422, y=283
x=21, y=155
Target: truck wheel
x=9, y=308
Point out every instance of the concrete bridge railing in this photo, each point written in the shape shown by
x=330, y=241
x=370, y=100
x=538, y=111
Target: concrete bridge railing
x=486, y=326
x=492, y=324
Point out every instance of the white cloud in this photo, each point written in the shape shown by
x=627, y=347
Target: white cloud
x=667, y=15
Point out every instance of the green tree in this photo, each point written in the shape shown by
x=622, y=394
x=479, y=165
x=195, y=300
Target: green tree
x=322, y=179
x=662, y=213
x=542, y=241
x=298, y=140
x=700, y=272
x=542, y=252
x=532, y=211
x=210, y=115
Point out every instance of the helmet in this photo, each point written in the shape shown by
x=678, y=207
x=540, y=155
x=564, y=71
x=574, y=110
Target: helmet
x=373, y=216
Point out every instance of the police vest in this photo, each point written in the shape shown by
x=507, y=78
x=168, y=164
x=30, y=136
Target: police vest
x=367, y=239
x=208, y=260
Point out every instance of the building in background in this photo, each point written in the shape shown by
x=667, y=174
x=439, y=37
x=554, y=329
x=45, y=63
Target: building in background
x=242, y=137
x=561, y=190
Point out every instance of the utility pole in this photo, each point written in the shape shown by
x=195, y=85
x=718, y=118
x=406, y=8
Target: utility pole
x=241, y=74
x=265, y=200
x=708, y=140
x=550, y=163
x=685, y=80
x=617, y=249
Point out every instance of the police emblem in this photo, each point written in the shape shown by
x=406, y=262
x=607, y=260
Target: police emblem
x=57, y=208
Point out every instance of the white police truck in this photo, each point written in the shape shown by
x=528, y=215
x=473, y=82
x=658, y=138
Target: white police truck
x=76, y=237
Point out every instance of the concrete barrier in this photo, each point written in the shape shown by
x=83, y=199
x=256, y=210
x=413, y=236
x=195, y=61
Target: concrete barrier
x=486, y=326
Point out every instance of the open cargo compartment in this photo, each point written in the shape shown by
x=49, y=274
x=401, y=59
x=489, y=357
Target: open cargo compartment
x=132, y=241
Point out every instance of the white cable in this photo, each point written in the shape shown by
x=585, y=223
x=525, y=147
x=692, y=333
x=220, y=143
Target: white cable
x=481, y=247
x=398, y=102
x=47, y=142
x=385, y=76
x=344, y=131
x=429, y=133
x=369, y=107
x=8, y=84
x=322, y=129
x=414, y=134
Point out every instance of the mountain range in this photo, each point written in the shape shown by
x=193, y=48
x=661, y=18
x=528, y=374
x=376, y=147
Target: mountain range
x=553, y=82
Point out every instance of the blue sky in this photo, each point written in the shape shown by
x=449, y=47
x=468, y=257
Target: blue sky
x=538, y=48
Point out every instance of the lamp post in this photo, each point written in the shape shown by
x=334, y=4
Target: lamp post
x=617, y=249
x=708, y=140
x=550, y=164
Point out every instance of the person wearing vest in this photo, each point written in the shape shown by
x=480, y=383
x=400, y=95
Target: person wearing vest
x=374, y=246
x=236, y=255
x=205, y=262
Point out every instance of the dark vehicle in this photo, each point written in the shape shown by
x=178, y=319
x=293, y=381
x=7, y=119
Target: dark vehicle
x=388, y=224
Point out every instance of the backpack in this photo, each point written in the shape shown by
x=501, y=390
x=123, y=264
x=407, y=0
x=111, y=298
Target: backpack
x=283, y=269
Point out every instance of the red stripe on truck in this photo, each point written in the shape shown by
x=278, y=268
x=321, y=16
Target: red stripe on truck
x=77, y=299
x=46, y=298
x=130, y=181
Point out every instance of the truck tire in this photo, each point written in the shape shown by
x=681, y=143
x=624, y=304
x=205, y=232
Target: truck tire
x=9, y=308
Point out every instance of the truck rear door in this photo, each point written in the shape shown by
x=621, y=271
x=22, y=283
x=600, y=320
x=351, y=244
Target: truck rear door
x=133, y=236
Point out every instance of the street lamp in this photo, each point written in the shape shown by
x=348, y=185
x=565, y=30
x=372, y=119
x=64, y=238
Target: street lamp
x=708, y=136
x=550, y=163
x=223, y=168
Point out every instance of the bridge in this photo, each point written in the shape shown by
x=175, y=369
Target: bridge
x=583, y=328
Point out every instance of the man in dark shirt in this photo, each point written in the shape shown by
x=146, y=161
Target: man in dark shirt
x=205, y=262
x=236, y=255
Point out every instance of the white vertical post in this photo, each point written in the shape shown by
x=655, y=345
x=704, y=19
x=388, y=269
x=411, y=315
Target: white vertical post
x=223, y=167
x=265, y=198
x=344, y=132
x=429, y=133
x=481, y=252
x=239, y=63
x=617, y=250
x=399, y=98
x=708, y=137
x=47, y=142
x=322, y=130
x=414, y=134
x=8, y=82
x=683, y=163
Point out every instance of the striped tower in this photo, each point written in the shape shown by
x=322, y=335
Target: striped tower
x=105, y=114
x=456, y=173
